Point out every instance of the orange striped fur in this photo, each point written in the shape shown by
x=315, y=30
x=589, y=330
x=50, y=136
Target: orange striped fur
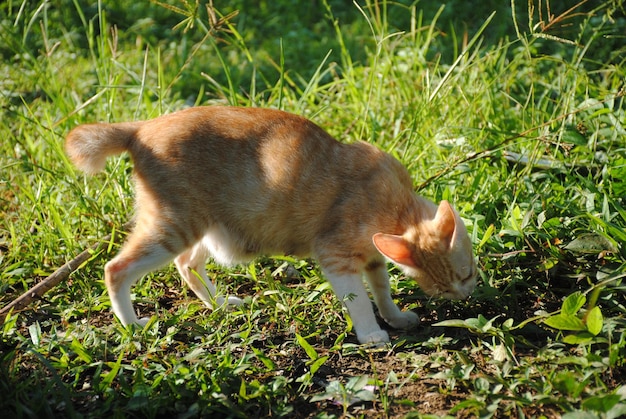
x=234, y=183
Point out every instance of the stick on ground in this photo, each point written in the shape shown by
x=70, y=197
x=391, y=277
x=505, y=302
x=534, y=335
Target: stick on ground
x=53, y=280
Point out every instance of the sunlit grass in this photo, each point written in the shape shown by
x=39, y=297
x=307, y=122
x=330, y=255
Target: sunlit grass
x=524, y=135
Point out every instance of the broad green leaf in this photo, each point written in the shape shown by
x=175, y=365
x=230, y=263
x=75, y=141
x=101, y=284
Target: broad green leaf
x=548, y=264
x=591, y=243
x=579, y=414
x=310, y=351
x=318, y=363
x=318, y=397
x=35, y=333
x=485, y=324
x=601, y=403
x=578, y=338
x=500, y=353
x=264, y=359
x=618, y=168
x=508, y=323
x=357, y=383
x=486, y=236
x=392, y=377
x=565, y=322
x=572, y=136
x=476, y=322
x=569, y=383
x=594, y=321
x=115, y=368
x=467, y=404
x=364, y=395
x=573, y=303
x=81, y=352
x=599, y=112
x=195, y=355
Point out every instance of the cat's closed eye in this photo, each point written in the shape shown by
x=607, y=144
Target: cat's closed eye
x=469, y=276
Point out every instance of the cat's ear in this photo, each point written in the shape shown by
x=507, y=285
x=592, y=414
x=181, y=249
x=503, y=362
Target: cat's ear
x=445, y=222
x=395, y=248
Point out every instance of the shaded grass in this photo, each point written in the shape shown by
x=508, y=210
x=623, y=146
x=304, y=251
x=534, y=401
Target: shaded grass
x=454, y=121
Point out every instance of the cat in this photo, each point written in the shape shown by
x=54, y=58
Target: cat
x=234, y=183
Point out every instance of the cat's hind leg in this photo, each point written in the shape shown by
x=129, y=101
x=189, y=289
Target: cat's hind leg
x=140, y=255
x=191, y=266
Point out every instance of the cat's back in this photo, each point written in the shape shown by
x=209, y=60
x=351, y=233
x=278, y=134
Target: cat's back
x=204, y=127
x=239, y=141
x=247, y=143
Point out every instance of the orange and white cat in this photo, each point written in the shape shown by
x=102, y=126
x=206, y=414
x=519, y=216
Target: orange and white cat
x=234, y=183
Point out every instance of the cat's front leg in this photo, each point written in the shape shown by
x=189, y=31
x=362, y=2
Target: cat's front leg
x=350, y=290
x=378, y=280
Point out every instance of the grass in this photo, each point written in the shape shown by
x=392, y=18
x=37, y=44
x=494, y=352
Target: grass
x=518, y=119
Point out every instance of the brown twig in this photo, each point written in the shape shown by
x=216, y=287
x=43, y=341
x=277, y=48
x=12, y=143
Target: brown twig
x=54, y=279
x=554, y=20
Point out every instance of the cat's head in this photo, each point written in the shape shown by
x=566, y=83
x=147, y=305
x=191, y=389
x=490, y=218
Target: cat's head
x=436, y=252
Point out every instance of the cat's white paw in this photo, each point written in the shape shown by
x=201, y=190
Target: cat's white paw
x=403, y=320
x=378, y=337
x=234, y=301
x=230, y=300
x=142, y=322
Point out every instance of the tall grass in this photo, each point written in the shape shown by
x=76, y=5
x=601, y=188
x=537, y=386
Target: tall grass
x=518, y=119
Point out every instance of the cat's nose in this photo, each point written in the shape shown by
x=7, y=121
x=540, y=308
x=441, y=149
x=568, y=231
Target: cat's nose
x=462, y=290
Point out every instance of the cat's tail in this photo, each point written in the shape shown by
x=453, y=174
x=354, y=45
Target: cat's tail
x=89, y=145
